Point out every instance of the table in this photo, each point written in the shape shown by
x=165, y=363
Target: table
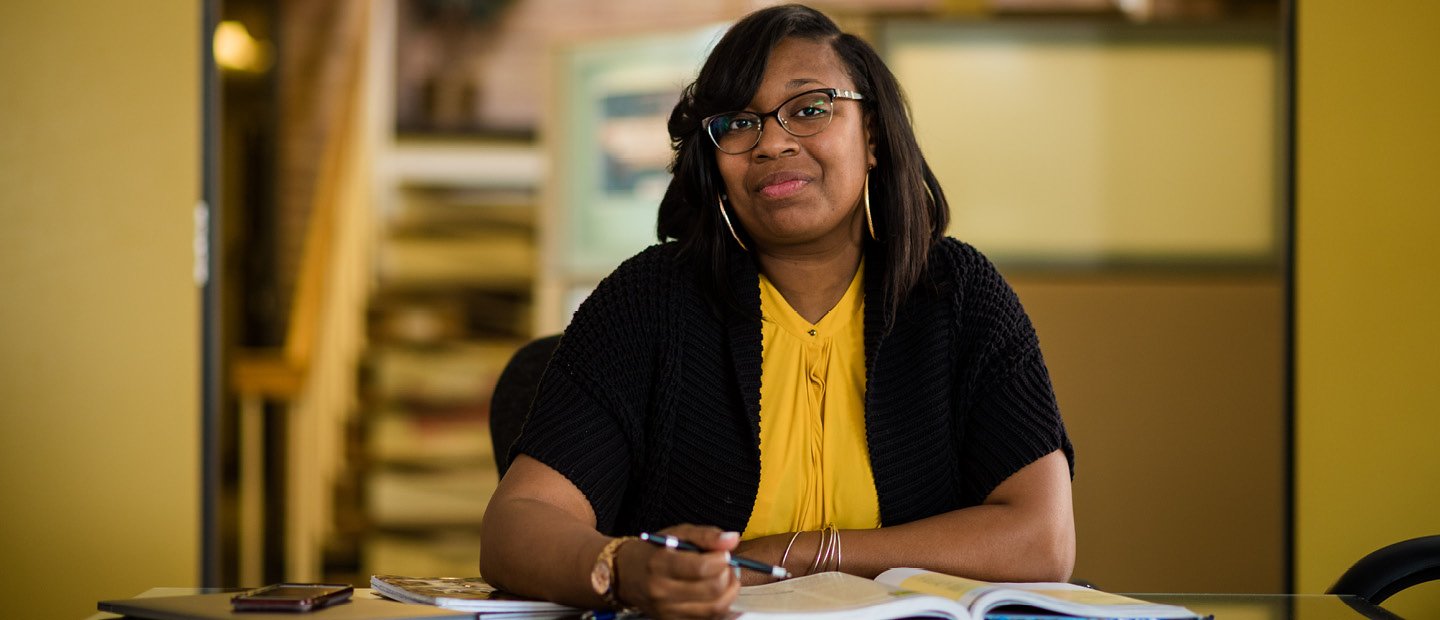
x=1273, y=606
x=1222, y=606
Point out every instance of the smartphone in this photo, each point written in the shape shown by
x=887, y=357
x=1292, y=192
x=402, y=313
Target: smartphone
x=292, y=597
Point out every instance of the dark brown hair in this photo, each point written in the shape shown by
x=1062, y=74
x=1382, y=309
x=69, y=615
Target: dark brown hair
x=906, y=201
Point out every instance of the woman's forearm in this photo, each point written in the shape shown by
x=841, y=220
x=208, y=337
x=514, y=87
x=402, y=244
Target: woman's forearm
x=989, y=542
x=530, y=547
x=539, y=540
x=1023, y=532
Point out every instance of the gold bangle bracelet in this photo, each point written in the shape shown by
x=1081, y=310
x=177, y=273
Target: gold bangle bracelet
x=833, y=557
x=785, y=555
x=825, y=555
x=838, y=555
x=819, y=554
x=830, y=551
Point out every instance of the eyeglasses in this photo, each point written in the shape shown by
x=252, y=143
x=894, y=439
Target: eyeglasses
x=805, y=114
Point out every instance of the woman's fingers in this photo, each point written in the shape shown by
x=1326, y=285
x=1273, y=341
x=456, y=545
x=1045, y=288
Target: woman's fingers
x=704, y=536
x=710, y=598
x=697, y=574
x=690, y=584
x=688, y=565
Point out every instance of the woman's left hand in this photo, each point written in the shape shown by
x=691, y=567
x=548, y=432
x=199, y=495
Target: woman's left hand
x=769, y=549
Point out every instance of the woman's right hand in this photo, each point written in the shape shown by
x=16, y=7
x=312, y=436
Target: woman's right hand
x=665, y=583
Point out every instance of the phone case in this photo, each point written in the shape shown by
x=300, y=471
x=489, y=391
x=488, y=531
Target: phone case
x=292, y=597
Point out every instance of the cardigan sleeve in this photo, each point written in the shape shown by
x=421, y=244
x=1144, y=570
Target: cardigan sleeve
x=587, y=418
x=1011, y=417
x=569, y=431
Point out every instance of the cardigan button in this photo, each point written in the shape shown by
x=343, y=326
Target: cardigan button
x=812, y=332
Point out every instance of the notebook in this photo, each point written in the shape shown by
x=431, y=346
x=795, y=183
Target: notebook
x=363, y=605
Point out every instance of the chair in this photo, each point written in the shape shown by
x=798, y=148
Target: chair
x=514, y=393
x=1391, y=569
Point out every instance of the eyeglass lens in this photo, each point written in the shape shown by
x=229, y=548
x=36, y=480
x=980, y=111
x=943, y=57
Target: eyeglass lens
x=804, y=115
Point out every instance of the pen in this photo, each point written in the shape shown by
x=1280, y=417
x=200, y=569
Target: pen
x=609, y=614
x=671, y=542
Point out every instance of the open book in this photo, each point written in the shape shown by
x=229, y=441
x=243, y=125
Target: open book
x=906, y=592
x=465, y=594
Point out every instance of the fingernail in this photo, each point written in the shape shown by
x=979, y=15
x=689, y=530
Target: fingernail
x=727, y=556
x=730, y=536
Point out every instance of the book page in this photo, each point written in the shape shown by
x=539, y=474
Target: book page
x=837, y=595
x=960, y=589
x=981, y=597
x=1073, y=593
x=1072, y=599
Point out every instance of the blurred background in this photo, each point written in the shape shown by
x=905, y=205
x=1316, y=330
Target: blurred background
x=263, y=260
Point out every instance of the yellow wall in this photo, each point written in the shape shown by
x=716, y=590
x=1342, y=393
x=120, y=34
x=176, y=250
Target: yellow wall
x=1103, y=142
x=1078, y=142
x=99, y=151
x=1368, y=287
x=1154, y=374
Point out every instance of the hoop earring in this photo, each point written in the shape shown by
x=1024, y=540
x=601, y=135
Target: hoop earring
x=726, y=217
x=869, y=222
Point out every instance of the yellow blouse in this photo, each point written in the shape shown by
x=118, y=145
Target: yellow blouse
x=814, y=462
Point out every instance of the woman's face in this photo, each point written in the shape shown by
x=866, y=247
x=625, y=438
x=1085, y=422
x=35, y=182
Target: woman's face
x=801, y=194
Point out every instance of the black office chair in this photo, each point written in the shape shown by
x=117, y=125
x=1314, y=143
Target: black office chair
x=514, y=393
x=1391, y=569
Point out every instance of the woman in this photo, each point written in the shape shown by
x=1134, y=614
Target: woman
x=809, y=368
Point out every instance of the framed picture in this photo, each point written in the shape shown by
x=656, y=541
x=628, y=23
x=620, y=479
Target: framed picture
x=610, y=148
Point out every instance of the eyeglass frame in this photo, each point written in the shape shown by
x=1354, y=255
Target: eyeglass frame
x=833, y=93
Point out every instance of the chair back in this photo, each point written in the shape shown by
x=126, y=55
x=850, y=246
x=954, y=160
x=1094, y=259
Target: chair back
x=1391, y=569
x=514, y=393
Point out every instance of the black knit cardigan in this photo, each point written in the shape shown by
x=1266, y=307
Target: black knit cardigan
x=651, y=403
